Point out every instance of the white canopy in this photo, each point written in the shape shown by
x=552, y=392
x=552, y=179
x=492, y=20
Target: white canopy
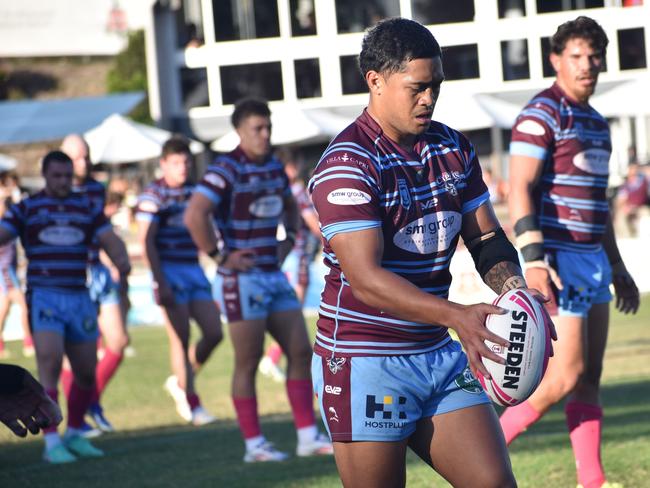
x=7, y=163
x=292, y=125
x=120, y=140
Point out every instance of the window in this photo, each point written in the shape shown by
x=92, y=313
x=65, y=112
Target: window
x=189, y=24
x=546, y=6
x=262, y=80
x=245, y=19
x=307, y=78
x=303, y=17
x=358, y=15
x=442, y=11
x=514, y=60
x=631, y=48
x=351, y=79
x=512, y=8
x=460, y=62
x=194, y=87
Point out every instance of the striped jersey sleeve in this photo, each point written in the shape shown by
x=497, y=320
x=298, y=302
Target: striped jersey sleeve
x=218, y=180
x=534, y=130
x=345, y=190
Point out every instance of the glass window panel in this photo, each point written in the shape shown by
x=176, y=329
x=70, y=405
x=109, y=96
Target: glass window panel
x=303, y=18
x=194, y=87
x=442, y=11
x=358, y=15
x=514, y=59
x=460, y=62
x=307, y=78
x=546, y=6
x=245, y=19
x=351, y=79
x=511, y=8
x=262, y=80
x=631, y=48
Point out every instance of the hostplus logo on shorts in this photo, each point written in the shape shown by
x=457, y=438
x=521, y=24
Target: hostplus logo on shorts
x=390, y=412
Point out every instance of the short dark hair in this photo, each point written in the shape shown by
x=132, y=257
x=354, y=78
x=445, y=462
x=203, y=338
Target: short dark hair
x=581, y=28
x=176, y=144
x=249, y=106
x=393, y=42
x=54, y=157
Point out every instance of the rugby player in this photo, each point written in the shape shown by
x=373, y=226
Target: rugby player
x=180, y=286
x=559, y=167
x=111, y=295
x=394, y=192
x=304, y=250
x=246, y=192
x=57, y=228
x=11, y=292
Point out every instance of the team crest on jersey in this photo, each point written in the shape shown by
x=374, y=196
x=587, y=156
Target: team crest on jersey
x=404, y=194
x=335, y=364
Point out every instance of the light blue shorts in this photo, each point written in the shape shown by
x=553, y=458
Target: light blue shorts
x=69, y=313
x=586, y=277
x=101, y=286
x=381, y=398
x=8, y=280
x=253, y=296
x=187, y=281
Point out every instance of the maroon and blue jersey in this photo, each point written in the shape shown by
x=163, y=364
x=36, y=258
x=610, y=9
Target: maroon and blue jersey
x=574, y=143
x=248, y=198
x=417, y=200
x=165, y=205
x=96, y=193
x=56, y=234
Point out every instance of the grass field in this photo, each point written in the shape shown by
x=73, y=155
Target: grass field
x=153, y=448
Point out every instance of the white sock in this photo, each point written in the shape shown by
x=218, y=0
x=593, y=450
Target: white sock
x=307, y=434
x=52, y=440
x=254, y=442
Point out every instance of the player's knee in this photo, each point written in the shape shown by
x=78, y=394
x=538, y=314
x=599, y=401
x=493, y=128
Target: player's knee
x=497, y=477
x=301, y=354
x=213, y=336
x=85, y=379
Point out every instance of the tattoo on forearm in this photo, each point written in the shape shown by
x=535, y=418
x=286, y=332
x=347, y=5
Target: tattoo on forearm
x=504, y=276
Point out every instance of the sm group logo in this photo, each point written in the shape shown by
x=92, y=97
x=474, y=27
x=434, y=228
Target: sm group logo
x=385, y=412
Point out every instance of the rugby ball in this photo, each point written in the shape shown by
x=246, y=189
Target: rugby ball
x=526, y=326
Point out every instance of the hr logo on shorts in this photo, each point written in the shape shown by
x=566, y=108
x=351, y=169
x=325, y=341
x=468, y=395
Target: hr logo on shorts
x=372, y=407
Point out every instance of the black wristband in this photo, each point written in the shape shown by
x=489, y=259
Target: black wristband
x=526, y=223
x=214, y=253
x=11, y=379
x=533, y=252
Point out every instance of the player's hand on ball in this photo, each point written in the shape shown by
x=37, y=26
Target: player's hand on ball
x=472, y=333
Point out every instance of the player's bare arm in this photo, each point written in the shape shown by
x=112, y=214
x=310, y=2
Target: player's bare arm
x=147, y=231
x=491, y=249
x=359, y=254
x=627, y=293
x=198, y=220
x=116, y=250
x=525, y=172
x=310, y=217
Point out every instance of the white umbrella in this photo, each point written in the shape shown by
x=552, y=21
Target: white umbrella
x=7, y=163
x=290, y=125
x=120, y=140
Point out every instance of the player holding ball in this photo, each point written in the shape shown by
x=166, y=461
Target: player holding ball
x=394, y=192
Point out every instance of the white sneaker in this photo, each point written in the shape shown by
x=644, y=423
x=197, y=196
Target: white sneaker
x=268, y=368
x=178, y=394
x=264, y=452
x=200, y=416
x=320, y=446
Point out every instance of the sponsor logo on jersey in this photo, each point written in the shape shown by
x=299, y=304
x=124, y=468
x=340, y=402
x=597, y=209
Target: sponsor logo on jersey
x=466, y=381
x=430, y=233
x=531, y=127
x=348, y=196
x=404, y=194
x=334, y=390
x=429, y=203
x=215, y=180
x=594, y=161
x=390, y=412
x=266, y=207
x=335, y=364
x=61, y=235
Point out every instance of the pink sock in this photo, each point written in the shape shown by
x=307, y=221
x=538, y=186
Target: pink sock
x=302, y=402
x=28, y=341
x=66, y=382
x=517, y=419
x=78, y=403
x=584, y=422
x=193, y=400
x=274, y=352
x=249, y=422
x=105, y=370
x=2, y=345
x=53, y=393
